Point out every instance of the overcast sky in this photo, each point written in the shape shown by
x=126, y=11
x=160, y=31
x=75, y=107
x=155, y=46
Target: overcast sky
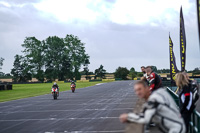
x=127, y=33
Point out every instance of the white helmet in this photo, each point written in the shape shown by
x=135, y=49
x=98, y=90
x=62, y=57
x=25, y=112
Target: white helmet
x=54, y=83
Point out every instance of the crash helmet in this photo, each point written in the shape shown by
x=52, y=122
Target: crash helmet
x=54, y=83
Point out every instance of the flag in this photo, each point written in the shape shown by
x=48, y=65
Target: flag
x=182, y=41
x=173, y=68
x=198, y=18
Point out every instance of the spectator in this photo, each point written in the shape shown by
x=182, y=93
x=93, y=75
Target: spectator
x=185, y=97
x=193, y=82
x=159, y=108
x=143, y=69
x=155, y=81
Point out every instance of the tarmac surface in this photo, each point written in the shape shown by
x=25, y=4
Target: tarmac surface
x=89, y=110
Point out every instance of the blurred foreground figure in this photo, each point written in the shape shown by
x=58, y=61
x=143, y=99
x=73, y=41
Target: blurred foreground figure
x=159, y=108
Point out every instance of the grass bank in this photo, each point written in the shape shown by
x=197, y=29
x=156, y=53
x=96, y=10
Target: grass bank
x=30, y=90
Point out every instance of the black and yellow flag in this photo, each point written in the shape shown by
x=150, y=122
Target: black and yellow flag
x=198, y=18
x=173, y=68
x=182, y=41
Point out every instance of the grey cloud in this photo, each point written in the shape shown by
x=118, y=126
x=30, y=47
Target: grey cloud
x=107, y=43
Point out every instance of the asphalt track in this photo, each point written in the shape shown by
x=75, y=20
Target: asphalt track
x=89, y=110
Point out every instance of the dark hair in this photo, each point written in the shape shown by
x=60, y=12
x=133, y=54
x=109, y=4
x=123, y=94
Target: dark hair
x=143, y=67
x=143, y=82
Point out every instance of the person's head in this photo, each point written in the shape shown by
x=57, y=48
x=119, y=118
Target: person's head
x=141, y=88
x=186, y=75
x=54, y=83
x=149, y=70
x=143, y=69
x=181, y=80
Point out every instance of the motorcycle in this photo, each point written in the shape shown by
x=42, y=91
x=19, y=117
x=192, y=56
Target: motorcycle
x=54, y=92
x=73, y=86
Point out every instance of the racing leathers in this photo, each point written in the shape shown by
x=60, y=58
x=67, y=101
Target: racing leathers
x=145, y=75
x=155, y=81
x=186, y=103
x=162, y=110
x=56, y=87
x=73, y=83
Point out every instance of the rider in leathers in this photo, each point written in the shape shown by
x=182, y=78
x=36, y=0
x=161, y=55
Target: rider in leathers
x=161, y=109
x=56, y=85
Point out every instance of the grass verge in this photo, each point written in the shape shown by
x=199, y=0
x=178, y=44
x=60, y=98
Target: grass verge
x=30, y=90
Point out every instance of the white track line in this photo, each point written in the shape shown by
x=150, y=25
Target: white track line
x=131, y=103
x=59, y=119
x=64, y=110
x=115, y=131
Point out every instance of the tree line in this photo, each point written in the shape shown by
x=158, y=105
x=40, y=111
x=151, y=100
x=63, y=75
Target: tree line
x=52, y=58
x=62, y=58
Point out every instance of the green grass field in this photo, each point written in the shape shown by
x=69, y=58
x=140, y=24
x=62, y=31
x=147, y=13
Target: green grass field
x=29, y=90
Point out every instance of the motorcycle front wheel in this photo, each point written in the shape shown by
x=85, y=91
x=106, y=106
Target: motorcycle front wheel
x=73, y=90
x=54, y=96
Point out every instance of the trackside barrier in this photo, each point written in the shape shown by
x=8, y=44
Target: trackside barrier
x=80, y=81
x=5, y=87
x=117, y=79
x=195, y=120
x=174, y=95
x=95, y=80
x=197, y=79
x=58, y=82
x=136, y=78
x=108, y=79
x=166, y=83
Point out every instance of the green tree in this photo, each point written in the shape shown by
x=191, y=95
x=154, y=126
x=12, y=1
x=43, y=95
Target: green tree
x=132, y=73
x=22, y=70
x=33, y=51
x=100, y=72
x=139, y=74
x=163, y=71
x=1, y=62
x=77, y=54
x=54, y=57
x=66, y=68
x=121, y=72
x=154, y=69
x=86, y=69
x=54, y=50
x=196, y=71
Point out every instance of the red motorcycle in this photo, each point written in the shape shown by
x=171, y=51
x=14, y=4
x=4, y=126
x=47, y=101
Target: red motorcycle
x=54, y=92
x=73, y=86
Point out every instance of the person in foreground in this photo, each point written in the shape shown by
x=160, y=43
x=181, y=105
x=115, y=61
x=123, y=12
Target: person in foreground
x=159, y=108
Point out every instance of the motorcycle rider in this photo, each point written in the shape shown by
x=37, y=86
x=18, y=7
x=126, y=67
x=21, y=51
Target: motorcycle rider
x=55, y=85
x=73, y=83
x=159, y=108
x=154, y=80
